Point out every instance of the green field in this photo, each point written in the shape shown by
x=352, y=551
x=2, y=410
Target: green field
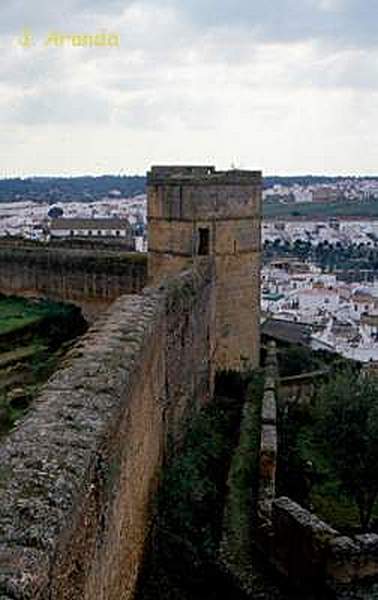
x=16, y=313
x=362, y=209
x=33, y=335
x=21, y=354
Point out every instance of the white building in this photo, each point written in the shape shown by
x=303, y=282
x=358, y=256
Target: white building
x=302, y=194
x=64, y=228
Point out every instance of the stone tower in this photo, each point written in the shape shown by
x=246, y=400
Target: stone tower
x=194, y=212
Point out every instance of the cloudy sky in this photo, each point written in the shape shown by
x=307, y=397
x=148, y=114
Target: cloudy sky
x=286, y=86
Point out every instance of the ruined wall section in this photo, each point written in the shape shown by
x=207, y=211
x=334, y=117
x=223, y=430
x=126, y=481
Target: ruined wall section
x=78, y=476
x=302, y=547
x=88, y=278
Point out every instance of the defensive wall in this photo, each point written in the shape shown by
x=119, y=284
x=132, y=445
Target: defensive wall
x=78, y=476
x=301, y=388
x=90, y=278
x=301, y=546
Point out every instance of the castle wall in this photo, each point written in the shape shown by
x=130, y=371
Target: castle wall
x=301, y=546
x=311, y=553
x=78, y=476
x=88, y=278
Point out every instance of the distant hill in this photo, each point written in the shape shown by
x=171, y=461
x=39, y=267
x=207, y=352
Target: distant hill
x=87, y=188
x=365, y=209
x=305, y=180
x=69, y=189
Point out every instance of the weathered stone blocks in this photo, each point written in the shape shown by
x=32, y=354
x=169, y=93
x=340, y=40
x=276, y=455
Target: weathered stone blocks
x=185, y=202
x=301, y=542
x=269, y=408
x=91, y=279
x=78, y=476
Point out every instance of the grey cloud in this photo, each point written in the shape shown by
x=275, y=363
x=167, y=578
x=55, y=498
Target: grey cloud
x=206, y=43
x=59, y=107
x=350, y=21
x=28, y=69
x=108, y=6
x=346, y=69
x=149, y=113
x=44, y=15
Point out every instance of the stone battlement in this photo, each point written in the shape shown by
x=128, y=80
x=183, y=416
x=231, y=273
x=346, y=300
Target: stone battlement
x=199, y=175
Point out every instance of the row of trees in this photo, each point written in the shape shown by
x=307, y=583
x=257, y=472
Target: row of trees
x=70, y=188
x=347, y=425
x=328, y=256
x=329, y=451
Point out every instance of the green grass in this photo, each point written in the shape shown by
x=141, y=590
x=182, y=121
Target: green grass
x=190, y=510
x=42, y=328
x=21, y=354
x=8, y=416
x=243, y=475
x=14, y=315
x=368, y=208
x=190, y=495
x=17, y=313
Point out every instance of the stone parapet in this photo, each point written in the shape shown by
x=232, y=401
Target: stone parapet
x=268, y=439
x=302, y=547
x=199, y=175
x=300, y=543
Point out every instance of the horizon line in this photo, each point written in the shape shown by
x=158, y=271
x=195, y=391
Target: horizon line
x=98, y=175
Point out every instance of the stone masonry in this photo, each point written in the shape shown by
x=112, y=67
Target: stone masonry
x=89, y=278
x=302, y=547
x=79, y=474
x=197, y=213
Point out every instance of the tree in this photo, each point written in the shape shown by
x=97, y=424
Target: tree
x=55, y=212
x=295, y=360
x=347, y=415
